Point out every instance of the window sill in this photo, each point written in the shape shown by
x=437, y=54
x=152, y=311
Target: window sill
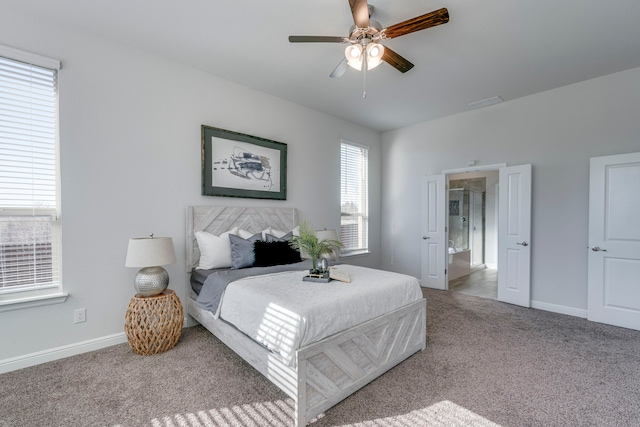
x=35, y=301
x=354, y=254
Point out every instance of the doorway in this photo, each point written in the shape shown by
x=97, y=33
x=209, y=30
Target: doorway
x=472, y=230
x=513, y=196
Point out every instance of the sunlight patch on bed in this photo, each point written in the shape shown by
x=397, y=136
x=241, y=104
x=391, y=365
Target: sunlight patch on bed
x=278, y=329
x=279, y=413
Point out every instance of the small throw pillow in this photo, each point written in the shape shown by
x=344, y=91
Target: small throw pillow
x=246, y=234
x=285, y=238
x=215, y=251
x=274, y=253
x=242, y=254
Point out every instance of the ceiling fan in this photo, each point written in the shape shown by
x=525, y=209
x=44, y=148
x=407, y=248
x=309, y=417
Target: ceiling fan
x=364, y=50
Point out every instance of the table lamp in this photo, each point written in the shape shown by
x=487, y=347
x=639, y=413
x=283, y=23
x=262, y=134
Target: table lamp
x=329, y=235
x=150, y=253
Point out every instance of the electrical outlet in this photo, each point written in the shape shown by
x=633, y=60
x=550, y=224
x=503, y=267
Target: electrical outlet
x=80, y=315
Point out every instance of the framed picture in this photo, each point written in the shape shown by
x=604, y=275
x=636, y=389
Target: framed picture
x=239, y=165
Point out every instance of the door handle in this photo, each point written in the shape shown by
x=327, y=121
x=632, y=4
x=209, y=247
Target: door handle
x=597, y=249
x=425, y=238
x=522, y=243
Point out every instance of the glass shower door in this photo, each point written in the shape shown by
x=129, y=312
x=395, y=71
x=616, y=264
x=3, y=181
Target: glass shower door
x=476, y=228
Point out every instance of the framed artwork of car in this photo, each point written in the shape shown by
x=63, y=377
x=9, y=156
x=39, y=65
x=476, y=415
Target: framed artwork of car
x=239, y=165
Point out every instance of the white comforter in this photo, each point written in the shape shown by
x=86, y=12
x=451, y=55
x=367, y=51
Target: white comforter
x=284, y=313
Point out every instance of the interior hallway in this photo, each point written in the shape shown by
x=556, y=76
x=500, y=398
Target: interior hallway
x=482, y=282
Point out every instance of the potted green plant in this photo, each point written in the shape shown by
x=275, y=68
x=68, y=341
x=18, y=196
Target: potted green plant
x=308, y=242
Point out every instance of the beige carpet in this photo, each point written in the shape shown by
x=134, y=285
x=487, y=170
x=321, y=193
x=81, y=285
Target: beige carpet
x=486, y=364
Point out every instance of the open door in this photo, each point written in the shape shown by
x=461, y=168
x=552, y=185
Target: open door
x=614, y=241
x=514, y=235
x=434, y=232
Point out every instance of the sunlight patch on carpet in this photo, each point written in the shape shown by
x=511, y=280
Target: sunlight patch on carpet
x=441, y=414
x=279, y=413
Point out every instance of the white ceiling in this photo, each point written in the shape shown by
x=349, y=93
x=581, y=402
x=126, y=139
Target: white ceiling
x=506, y=48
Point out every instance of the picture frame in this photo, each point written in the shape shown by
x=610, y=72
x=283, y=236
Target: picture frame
x=239, y=165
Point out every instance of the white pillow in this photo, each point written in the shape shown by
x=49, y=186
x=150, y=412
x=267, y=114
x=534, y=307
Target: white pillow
x=215, y=251
x=269, y=230
x=273, y=232
x=245, y=234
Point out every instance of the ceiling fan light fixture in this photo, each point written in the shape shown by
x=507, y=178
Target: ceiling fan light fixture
x=374, y=55
x=353, y=54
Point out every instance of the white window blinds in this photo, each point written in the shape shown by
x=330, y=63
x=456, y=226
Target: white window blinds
x=29, y=235
x=354, y=211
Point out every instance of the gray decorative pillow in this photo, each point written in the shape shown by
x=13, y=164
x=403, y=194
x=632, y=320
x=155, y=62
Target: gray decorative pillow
x=242, y=254
x=271, y=238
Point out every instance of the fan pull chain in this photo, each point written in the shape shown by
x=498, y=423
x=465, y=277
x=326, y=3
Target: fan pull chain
x=365, y=65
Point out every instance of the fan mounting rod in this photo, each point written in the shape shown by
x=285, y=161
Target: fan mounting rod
x=372, y=32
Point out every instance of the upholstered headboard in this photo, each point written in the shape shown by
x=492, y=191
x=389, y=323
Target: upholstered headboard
x=218, y=219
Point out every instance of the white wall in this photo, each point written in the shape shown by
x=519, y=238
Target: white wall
x=130, y=161
x=557, y=132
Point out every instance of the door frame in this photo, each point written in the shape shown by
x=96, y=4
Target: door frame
x=470, y=169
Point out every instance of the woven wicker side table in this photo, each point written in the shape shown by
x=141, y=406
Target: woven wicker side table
x=153, y=324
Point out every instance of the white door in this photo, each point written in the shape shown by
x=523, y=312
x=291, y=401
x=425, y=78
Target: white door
x=614, y=241
x=514, y=235
x=434, y=233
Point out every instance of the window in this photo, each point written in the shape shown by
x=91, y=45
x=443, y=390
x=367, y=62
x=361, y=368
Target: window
x=29, y=226
x=354, y=197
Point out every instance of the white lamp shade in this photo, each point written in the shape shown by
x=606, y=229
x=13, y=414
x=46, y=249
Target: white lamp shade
x=150, y=252
x=329, y=235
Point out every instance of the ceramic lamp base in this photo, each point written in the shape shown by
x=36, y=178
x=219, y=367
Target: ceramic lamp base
x=151, y=281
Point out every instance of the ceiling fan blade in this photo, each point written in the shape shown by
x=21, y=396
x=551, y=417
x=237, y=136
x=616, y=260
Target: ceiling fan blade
x=316, y=39
x=437, y=17
x=340, y=69
x=396, y=61
x=360, y=12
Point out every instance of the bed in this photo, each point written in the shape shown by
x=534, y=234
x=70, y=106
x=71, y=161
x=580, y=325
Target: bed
x=320, y=373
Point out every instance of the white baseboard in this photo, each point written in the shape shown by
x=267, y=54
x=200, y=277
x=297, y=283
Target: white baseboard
x=14, y=363
x=561, y=309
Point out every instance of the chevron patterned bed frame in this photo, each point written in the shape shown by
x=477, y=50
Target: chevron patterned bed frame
x=329, y=370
